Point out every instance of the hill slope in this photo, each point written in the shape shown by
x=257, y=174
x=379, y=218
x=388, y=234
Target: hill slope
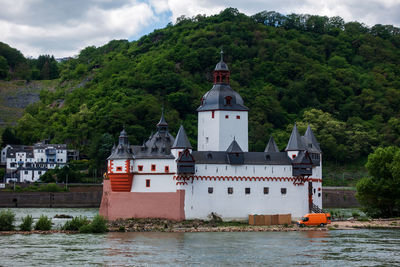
x=342, y=78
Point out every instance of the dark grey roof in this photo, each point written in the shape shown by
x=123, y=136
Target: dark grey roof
x=159, y=144
x=181, y=140
x=11, y=152
x=123, y=150
x=295, y=142
x=215, y=99
x=234, y=147
x=271, y=146
x=311, y=142
x=221, y=65
x=250, y=158
x=44, y=145
x=162, y=121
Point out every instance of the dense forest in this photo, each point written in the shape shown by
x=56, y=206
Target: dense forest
x=13, y=65
x=341, y=78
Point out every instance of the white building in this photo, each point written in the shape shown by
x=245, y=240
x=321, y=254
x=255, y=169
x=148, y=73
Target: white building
x=28, y=163
x=164, y=178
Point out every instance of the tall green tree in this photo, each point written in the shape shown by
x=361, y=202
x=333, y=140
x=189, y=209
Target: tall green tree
x=379, y=194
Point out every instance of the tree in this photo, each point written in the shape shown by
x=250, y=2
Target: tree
x=379, y=194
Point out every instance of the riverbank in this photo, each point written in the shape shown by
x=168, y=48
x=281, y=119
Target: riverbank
x=160, y=225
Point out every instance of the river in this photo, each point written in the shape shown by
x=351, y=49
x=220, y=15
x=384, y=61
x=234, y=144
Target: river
x=330, y=248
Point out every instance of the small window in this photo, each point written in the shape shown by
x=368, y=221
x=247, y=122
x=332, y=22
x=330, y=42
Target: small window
x=210, y=190
x=147, y=182
x=266, y=190
x=26, y=172
x=119, y=169
x=247, y=190
x=166, y=168
x=140, y=168
x=226, y=116
x=319, y=194
x=212, y=114
x=179, y=153
x=238, y=117
x=39, y=172
x=153, y=167
x=228, y=100
x=283, y=191
x=314, y=191
x=293, y=156
x=230, y=190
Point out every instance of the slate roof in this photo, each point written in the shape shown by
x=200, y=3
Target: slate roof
x=295, y=142
x=250, y=158
x=311, y=142
x=234, y=147
x=12, y=151
x=271, y=146
x=181, y=140
x=221, y=65
x=123, y=150
x=215, y=99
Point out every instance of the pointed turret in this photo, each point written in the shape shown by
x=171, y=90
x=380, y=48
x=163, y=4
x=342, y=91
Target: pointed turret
x=312, y=143
x=122, y=151
x=271, y=146
x=162, y=125
x=181, y=140
x=295, y=143
x=235, y=153
x=234, y=147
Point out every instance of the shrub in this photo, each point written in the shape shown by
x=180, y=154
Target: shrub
x=7, y=219
x=26, y=224
x=355, y=214
x=98, y=225
x=43, y=224
x=75, y=224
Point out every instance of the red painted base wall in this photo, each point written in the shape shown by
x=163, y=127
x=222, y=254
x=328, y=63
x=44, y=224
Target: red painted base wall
x=115, y=205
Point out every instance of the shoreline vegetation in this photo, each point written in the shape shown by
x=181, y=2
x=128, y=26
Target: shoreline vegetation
x=162, y=225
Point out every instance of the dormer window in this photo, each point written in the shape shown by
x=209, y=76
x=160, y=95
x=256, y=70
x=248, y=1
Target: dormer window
x=228, y=100
x=209, y=156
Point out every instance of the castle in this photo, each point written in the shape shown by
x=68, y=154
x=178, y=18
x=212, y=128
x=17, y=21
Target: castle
x=166, y=178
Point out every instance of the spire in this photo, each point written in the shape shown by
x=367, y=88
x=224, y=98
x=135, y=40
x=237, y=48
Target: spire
x=222, y=55
x=309, y=135
x=181, y=140
x=271, y=146
x=162, y=125
x=123, y=138
x=234, y=147
x=295, y=143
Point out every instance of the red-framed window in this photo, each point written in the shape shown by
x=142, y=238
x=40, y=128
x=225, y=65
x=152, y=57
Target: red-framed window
x=166, y=168
x=226, y=116
x=119, y=169
x=238, y=117
x=153, y=167
x=212, y=114
x=140, y=168
x=179, y=153
x=147, y=182
x=293, y=156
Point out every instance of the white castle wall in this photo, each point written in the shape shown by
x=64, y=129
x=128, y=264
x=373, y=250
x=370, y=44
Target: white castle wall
x=160, y=181
x=199, y=203
x=216, y=134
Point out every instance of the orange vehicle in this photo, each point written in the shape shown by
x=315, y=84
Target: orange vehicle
x=320, y=219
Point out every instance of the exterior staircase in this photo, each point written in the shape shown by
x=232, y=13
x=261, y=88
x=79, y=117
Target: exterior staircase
x=316, y=209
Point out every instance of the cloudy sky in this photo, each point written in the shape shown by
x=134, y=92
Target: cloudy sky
x=64, y=27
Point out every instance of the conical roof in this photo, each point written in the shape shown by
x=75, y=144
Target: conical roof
x=181, y=140
x=234, y=147
x=295, y=142
x=271, y=146
x=309, y=135
x=162, y=121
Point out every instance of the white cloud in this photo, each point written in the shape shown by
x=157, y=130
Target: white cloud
x=63, y=27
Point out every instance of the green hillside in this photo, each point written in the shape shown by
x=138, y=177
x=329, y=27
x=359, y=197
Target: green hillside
x=342, y=78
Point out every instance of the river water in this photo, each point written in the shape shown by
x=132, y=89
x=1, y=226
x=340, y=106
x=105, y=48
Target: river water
x=328, y=248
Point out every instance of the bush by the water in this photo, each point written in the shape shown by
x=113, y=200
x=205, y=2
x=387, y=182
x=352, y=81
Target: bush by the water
x=75, y=224
x=98, y=225
x=7, y=219
x=26, y=224
x=43, y=224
